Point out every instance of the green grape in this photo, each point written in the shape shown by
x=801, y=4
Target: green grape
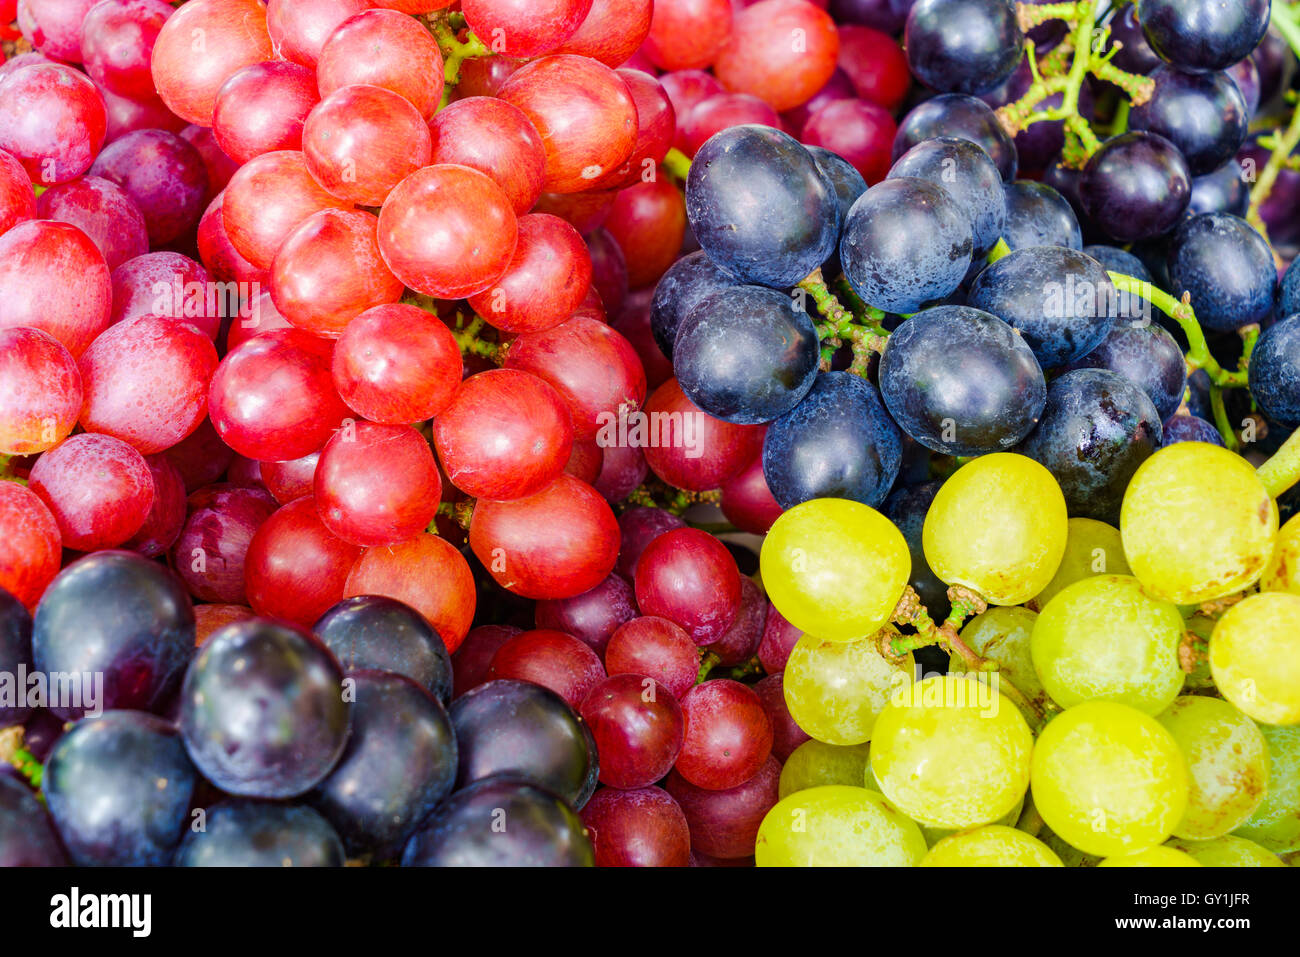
x=1158, y=856
x=951, y=753
x=1001, y=635
x=933, y=835
x=1091, y=548
x=1227, y=758
x=991, y=846
x=1197, y=523
x=1109, y=779
x=1228, y=851
x=835, y=690
x=1202, y=626
x=1255, y=656
x=1104, y=638
x=1283, y=570
x=835, y=568
x=997, y=526
x=837, y=826
x=1276, y=822
x=816, y=763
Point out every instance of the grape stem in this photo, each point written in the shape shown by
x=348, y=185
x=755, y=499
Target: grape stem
x=455, y=51
x=1282, y=471
x=8, y=472
x=1284, y=145
x=677, y=163
x=862, y=331
x=462, y=513
x=14, y=753
x=708, y=662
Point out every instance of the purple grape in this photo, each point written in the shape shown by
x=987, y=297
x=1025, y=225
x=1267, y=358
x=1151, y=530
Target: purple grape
x=372, y=632
x=243, y=833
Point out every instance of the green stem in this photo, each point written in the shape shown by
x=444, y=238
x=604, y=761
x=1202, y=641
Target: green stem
x=1287, y=20
x=677, y=163
x=1221, y=419
x=1000, y=249
x=707, y=664
x=1284, y=146
x=454, y=50
x=27, y=765
x=1282, y=471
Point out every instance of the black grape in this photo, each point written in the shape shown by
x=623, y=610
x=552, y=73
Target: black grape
x=969, y=176
x=906, y=507
x=848, y=185
x=243, y=833
x=963, y=46
x=384, y=634
x=966, y=117
x=1275, y=372
x=1038, y=215
x=27, y=837
x=1147, y=356
x=1227, y=267
x=1136, y=186
x=1203, y=114
x=1127, y=306
x=686, y=282
x=1134, y=54
x=1288, y=293
x=15, y=654
x=1189, y=428
x=1203, y=35
x=1223, y=190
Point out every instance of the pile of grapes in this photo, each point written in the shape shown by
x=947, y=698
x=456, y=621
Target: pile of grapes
x=616, y=432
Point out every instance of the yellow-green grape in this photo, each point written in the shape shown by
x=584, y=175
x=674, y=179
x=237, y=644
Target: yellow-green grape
x=837, y=826
x=1283, y=571
x=1227, y=758
x=1202, y=626
x=816, y=763
x=951, y=752
x=933, y=835
x=1276, y=822
x=835, y=568
x=1002, y=636
x=1228, y=851
x=1197, y=523
x=1092, y=548
x=991, y=846
x=1104, y=638
x=997, y=526
x=1158, y=856
x=1255, y=656
x=835, y=690
x=1109, y=779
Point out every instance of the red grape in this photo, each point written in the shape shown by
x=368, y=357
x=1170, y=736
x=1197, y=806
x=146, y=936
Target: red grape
x=638, y=527
x=611, y=32
x=484, y=76
x=739, y=642
x=117, y=39
x=786, y=734
x=292, y=479
x=583, y=211
x=634, y=323
x=167, y=284
x=29, y=544
x=838, y=87
x=164, y=174
x=219, y=255
x=655, y=647
x=687, y=89
x=209, y=618
x=782, y=51
x=17, y=198
x=591, y=617
x=656, y=127
x=54, y=26
x=202, y=458
x=861, y=132
x=41, y=389
x=52, y=120
x=123, y=115
x=703, y=452
x=608, y=269
x=638, y=727
x=585, y=460
x=724, y=824
x=166, y=514
x=496, y=139
x=53, y=278
x=779, y=639
x=622, y=470
x=723, y=111
x=524, y=28
x=747, y=502
x=211, y=551
x=689, y=577
x=387, y=49
x=728, y=735
x=103, y=211
x=257, y=316
x=876, y=65
x=551, y=659
x=262, y=108
x=295, y=568
x=640, y=828
x=547, y=278
x=648, y=221
x=98, y=489
x=687, y=34
x=299, y=28
x=470, y=663
x=220, y=167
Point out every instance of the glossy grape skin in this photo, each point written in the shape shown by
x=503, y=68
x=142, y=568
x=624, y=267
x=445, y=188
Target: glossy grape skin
x=997, y=526
x=382, y=48
x=103, y=211
x=1092, y=548
x=211, y=549
x=1227, y=267
x=1275, y=824
x=1253, y=657
x=722, y=111
x=962, y=46
x=835, y=691
x=1220, y=191
x=1096, y=430
x=592, y=617
x=638, y=828
x=262, y=108
x=1288, y=293
x=1002, y=635
x=30, y=546
x=723, y=824
x=471, y=662
x=758, y=57
x=967, y=173
x=52, y=120
x=53, y=278
x=833, y=825
x=138, y=282
x=1147, y=356
x=292, y=682
x=655, y=647
x=991, y=846
x=815, y=763
x=1227, y=851
x=727, y=735
x=638, y=526
x=1038, y=215
x=689, y=281
x=1189, y=428
x=497, y=139
x=638, y=727
x=1204, y=115
x=515, y=729
x=1281, y=572
x=98, y=489
x=465, y=831
x=42, y=391
x=265, y=201
x=27, y=837
x=961, y=381
x=786, y=734
x=739, y=643
x=701, y=452
x=648, y=221
x=1136, y=186
x=551, y=659
x=295, y=568
x=747, y=502
x=1108, y=779
x=689, y=577
x=1200, y=35
x=372, y=632
x=687, y=34
x=17, y=197
x=546, y=280
x=905, y=242
x=118, y=788
x=235, y=36
x=1223, y=550
x=164, y=174
x=243, y=833
x=960, y=115
x=15, y=653
x=656, y=128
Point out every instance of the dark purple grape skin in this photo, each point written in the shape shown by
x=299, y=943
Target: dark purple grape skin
x=906, y=242
x=1136, y=186
x=122, y=615
x=888, y=16
x=466, y=831
x=1203, y=114
x=118, y=788
x=1189, y=428
x=1147, y=356
x=746, y=354
x=969, y=176
x=838, y=443
x=1096, y=429
x=1135, y=54
x=961, y=381
x=1061, y=300
x=906, y=507
x=41, y=732
x=848, y=185
x=1276, y=64
x=295, y=686
x=27, y=838
x=15, y=654
x=400, y=762
x=244, y=833
x=962, y=46
x=1223, y=190
x=593, y=616
x=759, y=206
x=526, y=731
x=1203, y=35
x=1245, y=74
x=1038, y=215
x=1227, y=267
x=373, y=632
x=1125, y=263
x=1288, y=293
x=963, y=116
x=687, y=281
x=638, y=526
x=1274, y=379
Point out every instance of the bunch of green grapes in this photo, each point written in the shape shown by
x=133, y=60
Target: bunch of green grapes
x=1276, y=822
x=837, y=826
x=834, y=568
x=991, y=846
x=1227, y=758
x=1001, y=635
x=1091, y=548
x=998, y=526
x=835, y=690
x=1104, y=638
x=1109, y=779
x=951, y=753
x=1283, y=571
x=815, y=763
x=1197, y=523
x=1158, y=856
x=1255, y=657
x=1228, y=851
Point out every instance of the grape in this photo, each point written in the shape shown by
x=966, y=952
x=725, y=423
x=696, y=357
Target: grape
x=53, y=278
x=1197, y=523
x=52, y=120
x=42, y=388
x=727, y=736
x=991, y=846
x=1228, y=269
x=687, y=34
x=969, y=176
x=1254, y=660
x=553, y=660
x=15, y=653
x=1281, y=573
x=1136, y=186
x=836, y=826
x=638, y=727
x=1189, y=428
x=1220, y=191
x=1103, y=638
x=295, y=568
x=722, y=111
x=1143, y=353
x=372, y=632
x=688, y=282
x=956, y=114
x=164, y=174
x=836, y=691
x=739, y=642
x=834, y=568
x=786, y=734
x=1272, y=364
x=1109, y=779
x=723, y=824
x=612, y=33
x=386, y=49
x=906, y=507
x=638, y=526
x=1229, y=763
x=1038, y=215
x=875, y=63
x=1275, y=823
x=962, y=46
x=608, y=270
x=1158, y=856
x=592, y=617
x=639, y=828
x=655, y=647
x=266, y=200
x=27, y=837
x=1204, y=115
x=858, y=132
x=523, y=30
x=138, y=282
x=1002, y=635
x=759, y=58
x=815, y=763
x=545, y=281
x=471, y=662
x=1200, y=34
x=1091, y=548
x=1288, y=293
x=997, y=526
x=103, y=211
x=98, y=489
x=747, y=501
x=262, y=108
x=211, y=550
x=243, y=833
x=690, y=578
x=1228, y=851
